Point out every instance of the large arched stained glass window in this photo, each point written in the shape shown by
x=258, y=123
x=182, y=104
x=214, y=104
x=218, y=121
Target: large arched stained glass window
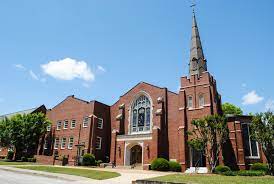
x=141, y=113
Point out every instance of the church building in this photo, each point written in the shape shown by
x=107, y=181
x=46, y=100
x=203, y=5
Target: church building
x=148, y=122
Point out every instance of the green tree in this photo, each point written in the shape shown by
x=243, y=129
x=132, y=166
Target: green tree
x=262, y=130
x=22, y=132
x=229, y=108
x=208, y=135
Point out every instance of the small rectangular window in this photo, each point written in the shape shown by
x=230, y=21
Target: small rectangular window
x=201, y=101
x=189, y=102
x=59, y=125
x=63, y=143
x=100, y=123
x=48, y=128
x=70, y=144
x=66, y=124
x=98, y=143
x=56, y=143
x=46, y=144
x=85, y=122
x=73, y=124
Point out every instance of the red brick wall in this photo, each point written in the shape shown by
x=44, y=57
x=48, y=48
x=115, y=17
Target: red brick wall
x=122, y=126
x=42, y=159
x=75, y=109
x=194, y=86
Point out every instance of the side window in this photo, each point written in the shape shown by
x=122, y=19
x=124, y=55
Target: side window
x=48, y=128
x=46, y=144
x=189, y=102
x=98, y=143
x=73, y=123
x=66, y=124
x=56, y=143
x=251, y=148
x=63, y=143
x=70, y=144
x=100, y=123
x=85, y=122
x=59, y=125
x=201, y=100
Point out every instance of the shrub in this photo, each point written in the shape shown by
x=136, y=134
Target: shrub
x=98, y=162
x=10, y=155
x=89, y=160
x=160, y=164
x=229, y=173
x=24, y=159
x=251, y=173
x=174, y=166
x=31, y=159
x=221, y=169
x=259, y=167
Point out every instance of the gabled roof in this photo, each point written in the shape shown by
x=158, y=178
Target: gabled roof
x=142, y=82
x=81, y=100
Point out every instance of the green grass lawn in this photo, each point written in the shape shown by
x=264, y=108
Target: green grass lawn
x=214, y=179
x=88, y=173
x=16, y=163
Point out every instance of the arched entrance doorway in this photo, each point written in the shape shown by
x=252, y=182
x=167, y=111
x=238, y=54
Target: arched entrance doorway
x=136, y=155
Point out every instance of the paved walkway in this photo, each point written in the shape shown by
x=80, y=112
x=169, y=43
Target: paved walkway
x=127, y=176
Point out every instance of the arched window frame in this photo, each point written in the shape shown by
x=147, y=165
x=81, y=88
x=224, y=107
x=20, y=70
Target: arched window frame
x=201, y=98
x=134, y=128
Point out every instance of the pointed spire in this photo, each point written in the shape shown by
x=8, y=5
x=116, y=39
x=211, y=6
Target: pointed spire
x=197, y=63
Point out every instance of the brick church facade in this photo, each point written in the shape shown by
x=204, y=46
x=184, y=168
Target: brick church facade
x=148, y=122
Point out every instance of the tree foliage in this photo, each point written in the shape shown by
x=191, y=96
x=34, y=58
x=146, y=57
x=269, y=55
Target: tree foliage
x=229, y=108
x=22, y=132
x=208, y=135
x=262, y=130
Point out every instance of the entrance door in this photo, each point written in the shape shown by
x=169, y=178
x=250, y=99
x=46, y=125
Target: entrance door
x=136, y=155
x=197, y=158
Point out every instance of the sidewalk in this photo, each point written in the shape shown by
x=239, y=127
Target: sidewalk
x=127, y=175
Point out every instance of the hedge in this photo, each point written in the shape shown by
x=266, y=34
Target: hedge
x=221, y=169
x=259, y=167
x=89, y=160
x=160, y=164
x=174, y=166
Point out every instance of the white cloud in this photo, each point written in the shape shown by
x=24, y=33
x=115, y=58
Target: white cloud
x=68, y=69
x=251, y=98
x=33, y=75
x=101, y=69
x=19, y=66
x=269, y=105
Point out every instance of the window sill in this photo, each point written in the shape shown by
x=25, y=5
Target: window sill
x=252, y=157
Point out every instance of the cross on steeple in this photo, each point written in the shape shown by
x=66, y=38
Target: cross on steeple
x=193, y=6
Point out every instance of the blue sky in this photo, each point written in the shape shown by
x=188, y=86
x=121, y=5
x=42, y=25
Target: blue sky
x=99, y=49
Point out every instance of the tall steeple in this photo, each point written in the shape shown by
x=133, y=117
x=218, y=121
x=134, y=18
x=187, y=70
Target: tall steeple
x=197, y=63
